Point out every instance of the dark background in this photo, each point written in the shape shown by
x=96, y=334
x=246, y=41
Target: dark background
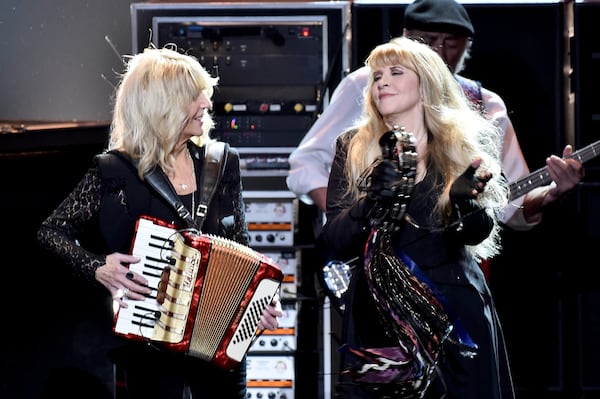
x=544, y=282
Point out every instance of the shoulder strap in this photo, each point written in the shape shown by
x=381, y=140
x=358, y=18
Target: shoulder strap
x=214, y=165
x=157, y=179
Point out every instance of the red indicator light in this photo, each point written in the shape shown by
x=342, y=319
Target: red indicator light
x=305, y=32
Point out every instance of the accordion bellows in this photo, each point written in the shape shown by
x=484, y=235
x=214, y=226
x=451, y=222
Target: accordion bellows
x=208, y=293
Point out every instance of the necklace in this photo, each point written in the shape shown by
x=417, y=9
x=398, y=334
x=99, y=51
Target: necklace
x=184, y=185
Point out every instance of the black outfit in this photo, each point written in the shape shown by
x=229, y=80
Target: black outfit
x=441, y=255
x=98, y=218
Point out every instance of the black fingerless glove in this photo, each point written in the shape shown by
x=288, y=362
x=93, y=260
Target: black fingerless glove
x=472, y=222
x=462, y=188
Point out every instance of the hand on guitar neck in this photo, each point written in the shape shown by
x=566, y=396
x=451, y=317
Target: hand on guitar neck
x=564, y=174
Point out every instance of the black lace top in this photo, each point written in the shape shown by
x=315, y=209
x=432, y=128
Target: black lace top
x=99, y=216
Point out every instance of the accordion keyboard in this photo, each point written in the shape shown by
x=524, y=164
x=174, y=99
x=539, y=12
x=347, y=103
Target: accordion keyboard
x=153, y=244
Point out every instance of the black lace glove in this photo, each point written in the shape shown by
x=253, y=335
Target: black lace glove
x=468, y=185
x=385, y=189
x=384, y=181
x=472, y=224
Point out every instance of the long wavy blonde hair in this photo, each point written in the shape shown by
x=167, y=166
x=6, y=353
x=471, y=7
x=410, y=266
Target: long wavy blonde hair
x=152, y=105
x=457, y=134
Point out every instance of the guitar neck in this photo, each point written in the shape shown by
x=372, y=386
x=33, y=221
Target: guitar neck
x=541, y=176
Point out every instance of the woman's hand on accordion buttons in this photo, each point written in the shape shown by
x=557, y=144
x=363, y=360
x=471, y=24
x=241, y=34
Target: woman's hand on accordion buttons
x=120, y=281
x=384, y=180
x=270, y=316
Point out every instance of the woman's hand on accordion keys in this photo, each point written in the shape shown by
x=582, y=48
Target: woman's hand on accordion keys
x=120, y=281
x=270, y=316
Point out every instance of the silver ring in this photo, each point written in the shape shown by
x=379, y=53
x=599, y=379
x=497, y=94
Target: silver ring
x=125, y=292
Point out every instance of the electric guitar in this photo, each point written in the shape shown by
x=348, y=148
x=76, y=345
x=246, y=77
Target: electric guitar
x=541, y=177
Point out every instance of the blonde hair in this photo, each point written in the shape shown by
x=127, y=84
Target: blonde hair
x=152, y=105
x=457, y=134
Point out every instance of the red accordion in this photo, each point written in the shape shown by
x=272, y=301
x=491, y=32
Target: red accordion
x=208, y=293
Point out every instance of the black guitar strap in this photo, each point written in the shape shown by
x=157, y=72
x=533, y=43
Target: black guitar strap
x=214, y=165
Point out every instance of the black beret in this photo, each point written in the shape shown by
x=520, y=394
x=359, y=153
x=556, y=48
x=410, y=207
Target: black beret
x=438, y=16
